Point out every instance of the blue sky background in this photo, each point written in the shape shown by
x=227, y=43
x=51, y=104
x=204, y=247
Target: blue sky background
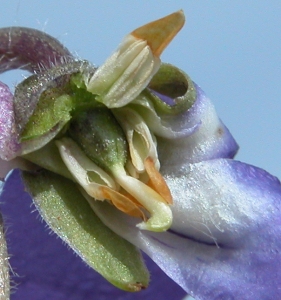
x=232, y=49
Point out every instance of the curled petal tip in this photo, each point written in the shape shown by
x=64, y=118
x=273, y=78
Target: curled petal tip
x=159, y=33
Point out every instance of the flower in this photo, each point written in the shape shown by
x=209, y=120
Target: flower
x=141, y=135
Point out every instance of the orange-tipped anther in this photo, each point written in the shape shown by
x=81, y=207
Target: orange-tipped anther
x=159, y=33
x=157, y=181
x=123, y=203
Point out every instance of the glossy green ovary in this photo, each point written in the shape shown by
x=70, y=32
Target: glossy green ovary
x=98, y=133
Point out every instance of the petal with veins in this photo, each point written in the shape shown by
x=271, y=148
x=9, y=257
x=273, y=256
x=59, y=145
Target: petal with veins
x=130, y=68
x=113, y=80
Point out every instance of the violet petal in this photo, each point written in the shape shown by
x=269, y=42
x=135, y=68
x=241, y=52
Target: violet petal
x=225, y=241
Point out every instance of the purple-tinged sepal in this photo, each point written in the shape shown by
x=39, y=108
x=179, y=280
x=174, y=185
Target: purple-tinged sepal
x=9, y=145
x=32, y=50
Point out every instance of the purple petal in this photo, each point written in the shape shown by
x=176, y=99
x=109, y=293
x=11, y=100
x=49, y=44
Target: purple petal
x=29, y=49
x=211, y=140
x=225, y=240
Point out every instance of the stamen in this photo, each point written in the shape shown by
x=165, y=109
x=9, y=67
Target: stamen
x=123, y=203
x=104, y=187
x=160, y=213
x=141, y=141
x=128, y=71
x=157, y=181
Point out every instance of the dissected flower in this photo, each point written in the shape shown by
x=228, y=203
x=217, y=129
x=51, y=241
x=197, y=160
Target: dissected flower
x=133, y=152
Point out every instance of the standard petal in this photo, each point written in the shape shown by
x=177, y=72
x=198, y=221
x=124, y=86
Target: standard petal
x=225, y=239
x=66, y=211
x=211, y=140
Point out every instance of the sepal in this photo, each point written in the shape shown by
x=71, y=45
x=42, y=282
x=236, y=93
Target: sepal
x=68, y=214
